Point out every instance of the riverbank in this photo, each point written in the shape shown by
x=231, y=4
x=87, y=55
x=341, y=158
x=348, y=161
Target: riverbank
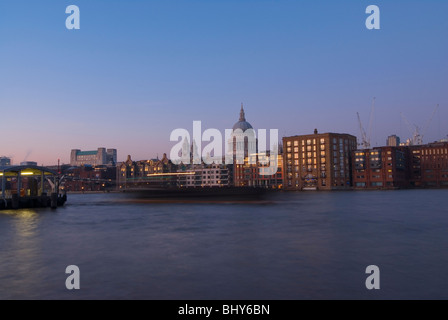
x=92, y=192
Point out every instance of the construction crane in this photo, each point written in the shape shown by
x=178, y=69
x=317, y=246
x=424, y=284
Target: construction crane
x=417, y=135
x=428, y=122
x=365, y=137
x=414, y=130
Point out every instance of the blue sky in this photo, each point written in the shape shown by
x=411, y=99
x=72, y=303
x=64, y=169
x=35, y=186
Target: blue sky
x=136, y=70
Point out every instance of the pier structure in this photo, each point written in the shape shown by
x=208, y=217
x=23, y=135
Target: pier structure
x=29, y=186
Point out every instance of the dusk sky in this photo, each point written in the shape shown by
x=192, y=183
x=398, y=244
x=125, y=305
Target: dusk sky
x=136, y=70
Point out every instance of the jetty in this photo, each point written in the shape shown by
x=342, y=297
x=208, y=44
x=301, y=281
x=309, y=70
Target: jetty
x=29, y=186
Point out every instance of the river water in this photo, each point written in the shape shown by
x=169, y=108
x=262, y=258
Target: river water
x=312, y=245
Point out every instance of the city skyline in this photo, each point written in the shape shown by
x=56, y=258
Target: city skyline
x=133, y=73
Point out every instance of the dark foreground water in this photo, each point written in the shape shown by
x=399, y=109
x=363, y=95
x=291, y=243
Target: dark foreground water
x=298, y=246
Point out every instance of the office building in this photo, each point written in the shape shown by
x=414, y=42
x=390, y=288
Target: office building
x=393, y=141
x=5, y=161
x=98, y=157
x=213, y=175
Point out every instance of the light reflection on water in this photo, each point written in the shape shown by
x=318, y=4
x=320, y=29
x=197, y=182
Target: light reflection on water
x=20, y=265
x=294, y=246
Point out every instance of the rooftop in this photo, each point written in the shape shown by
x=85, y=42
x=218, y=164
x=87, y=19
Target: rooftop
x=86, y=153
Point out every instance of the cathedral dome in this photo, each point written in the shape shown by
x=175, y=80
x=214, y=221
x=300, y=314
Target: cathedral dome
x=242, y=123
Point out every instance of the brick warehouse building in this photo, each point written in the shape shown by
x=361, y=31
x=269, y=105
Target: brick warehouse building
x=420, y=166
x=319, y=161
x=253, y=173
x=382, y=167
x=429, y=165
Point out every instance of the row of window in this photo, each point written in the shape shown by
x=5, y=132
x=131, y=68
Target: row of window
x=309, y=142
x=434, y=151
x=323, y=183
x=372, y=184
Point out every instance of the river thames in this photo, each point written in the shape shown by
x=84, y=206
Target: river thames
x=309, y=245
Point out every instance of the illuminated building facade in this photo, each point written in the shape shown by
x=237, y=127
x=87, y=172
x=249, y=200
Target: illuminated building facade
x=146, y=173
x=417, y=166
x=255, y=172
x=319, y=161
x=213, y=175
